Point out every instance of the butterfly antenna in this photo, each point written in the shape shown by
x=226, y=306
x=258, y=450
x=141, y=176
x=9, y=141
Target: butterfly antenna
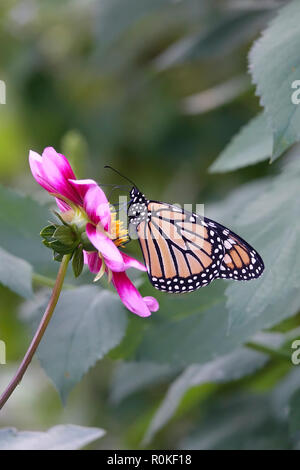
x=117, y=186
x=112, y=185
x=120, y=206
x=120, y=174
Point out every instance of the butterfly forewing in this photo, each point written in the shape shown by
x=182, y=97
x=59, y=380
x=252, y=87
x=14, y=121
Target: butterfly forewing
x=181, y=253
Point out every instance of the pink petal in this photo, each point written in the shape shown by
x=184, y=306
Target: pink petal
x=82, y=186
x=104, y=214
x=130, y=262
x=152, y=303
x=57, y=170
x=60, y=161
x=52, y=172
x=95, y=202
x=35, y=163
x=129, y=295
x=93, y=261
x=63, y=206
x=109, y=251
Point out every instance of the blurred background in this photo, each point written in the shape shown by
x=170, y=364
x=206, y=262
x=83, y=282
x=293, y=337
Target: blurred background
x=155, y=88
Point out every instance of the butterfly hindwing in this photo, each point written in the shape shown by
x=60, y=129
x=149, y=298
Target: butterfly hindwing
x=241, y=261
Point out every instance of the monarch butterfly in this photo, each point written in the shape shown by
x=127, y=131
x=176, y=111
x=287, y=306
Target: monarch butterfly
x=184, y=251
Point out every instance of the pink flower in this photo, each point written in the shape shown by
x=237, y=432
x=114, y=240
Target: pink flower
x=84, y=203
x=130, y=296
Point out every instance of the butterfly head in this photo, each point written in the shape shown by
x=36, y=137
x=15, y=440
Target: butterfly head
x=137, y=210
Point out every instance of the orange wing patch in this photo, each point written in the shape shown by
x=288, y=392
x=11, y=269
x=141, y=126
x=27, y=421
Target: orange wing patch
x=241, y=262
x=243, y=254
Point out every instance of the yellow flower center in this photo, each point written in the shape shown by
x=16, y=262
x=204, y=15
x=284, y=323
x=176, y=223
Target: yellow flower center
x=118, y=232
x=119, y=235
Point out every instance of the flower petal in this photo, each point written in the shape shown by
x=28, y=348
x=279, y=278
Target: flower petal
x=57, y=170
x=129, y=295
x=52, y=171
x=130, y=262
x=36, y=167
x=93, y=261
x=152, y=303
x=95, y=203
x=60, y=161
x=111, y=254
x=82, y=186
x=63, y=206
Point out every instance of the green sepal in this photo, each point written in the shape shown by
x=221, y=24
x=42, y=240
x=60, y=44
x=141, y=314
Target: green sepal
x=78, y=261
x=48, y=231
x=46, y=243
x=60, y=247
x=60, y=218
x=65, y=235
x=57, y=256
x=87, y=245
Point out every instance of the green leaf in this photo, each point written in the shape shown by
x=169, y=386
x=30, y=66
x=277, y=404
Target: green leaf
x=239, y=422
x=285, y=402
x=294, y=413
x=197, y=337
x=130, y=377
x=16, y=274
x=229, y=422
x=227, y=210
x=274, y=65
x=224, y=369
x=192, y=330
x=199, y=334
x=282, y=394
x=215, y=40
x=63, y=437
x=87, y=323
x=78, y=262
x=273, y=223
x=21, y=219
x=134, y=334
x=217, y=96
x=252, y=144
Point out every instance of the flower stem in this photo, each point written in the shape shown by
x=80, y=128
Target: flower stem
x=39, y=332
x=277, y=353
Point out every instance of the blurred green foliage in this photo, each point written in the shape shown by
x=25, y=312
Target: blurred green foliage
x=157, y=89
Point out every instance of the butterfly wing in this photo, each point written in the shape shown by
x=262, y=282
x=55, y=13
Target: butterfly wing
x=185, y=251
x=241, y=261
x=180, y=252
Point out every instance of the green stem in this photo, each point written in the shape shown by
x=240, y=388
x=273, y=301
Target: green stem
x=277, y=353
x=48, y=281
x=39, y=332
